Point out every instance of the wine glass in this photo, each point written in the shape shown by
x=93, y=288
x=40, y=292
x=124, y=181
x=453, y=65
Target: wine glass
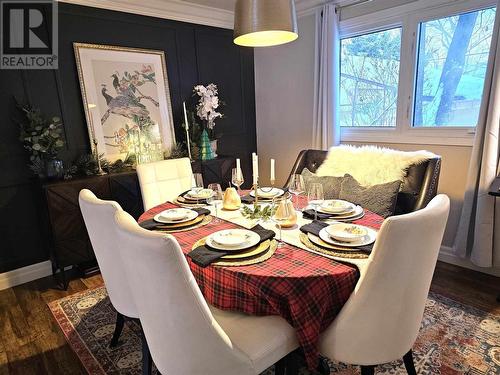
x=215, y=198
x=297, y=187
x=237, y=178
x=315, y=197
x=282, y=213
x=197, y=185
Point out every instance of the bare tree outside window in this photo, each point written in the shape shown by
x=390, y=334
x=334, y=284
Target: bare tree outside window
x=369, y=75
x=452, y=59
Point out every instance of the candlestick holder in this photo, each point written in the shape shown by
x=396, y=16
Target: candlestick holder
x=255, y=188
x=100, y=172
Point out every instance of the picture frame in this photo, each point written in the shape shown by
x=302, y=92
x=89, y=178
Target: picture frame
x=126, y=100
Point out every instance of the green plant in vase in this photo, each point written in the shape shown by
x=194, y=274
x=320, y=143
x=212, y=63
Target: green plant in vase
x=43, y=139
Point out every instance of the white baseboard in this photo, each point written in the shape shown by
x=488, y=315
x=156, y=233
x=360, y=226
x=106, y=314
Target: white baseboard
x=25, y=274
x=446, y=255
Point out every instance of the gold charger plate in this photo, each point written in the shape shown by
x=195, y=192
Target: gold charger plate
x=205, y=219
x=187, y=204
x=318, y=241
x=180, y=198
x=196, y=220
x=253, y=251
x=263, y=252
x=349, y=254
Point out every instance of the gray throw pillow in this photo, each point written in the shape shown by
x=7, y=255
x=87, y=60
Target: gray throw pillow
x=331, y=185
x=380, y=199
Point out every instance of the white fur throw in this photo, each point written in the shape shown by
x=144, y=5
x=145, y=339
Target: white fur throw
x=370, y=165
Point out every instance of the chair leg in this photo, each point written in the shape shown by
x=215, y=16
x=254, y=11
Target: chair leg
x=120, y=320
x=147, y=361
x=367, y=370
x=410, y=366
x=323, y=366
x=280, y=367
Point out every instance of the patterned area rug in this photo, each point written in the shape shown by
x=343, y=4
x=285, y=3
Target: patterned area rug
x=454, y=338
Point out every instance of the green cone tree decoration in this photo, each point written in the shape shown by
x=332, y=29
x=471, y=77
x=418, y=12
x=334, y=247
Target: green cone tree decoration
x=205, y=149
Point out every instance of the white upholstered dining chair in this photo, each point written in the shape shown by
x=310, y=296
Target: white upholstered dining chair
x=164, y=180
x=185, y=335
x=99, y=217
x=380, y=321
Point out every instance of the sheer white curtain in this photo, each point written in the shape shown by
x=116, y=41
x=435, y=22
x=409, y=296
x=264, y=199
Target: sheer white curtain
x=478, y=235
x=326, y=125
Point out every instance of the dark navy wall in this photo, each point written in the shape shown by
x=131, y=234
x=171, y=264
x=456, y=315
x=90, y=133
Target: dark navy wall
x=194, y=54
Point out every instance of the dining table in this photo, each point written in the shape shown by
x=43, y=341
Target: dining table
x=306, y=288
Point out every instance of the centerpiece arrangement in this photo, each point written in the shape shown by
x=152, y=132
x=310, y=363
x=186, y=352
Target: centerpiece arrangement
x=202, y=137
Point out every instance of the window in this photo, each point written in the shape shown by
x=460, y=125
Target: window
x=369, y=75
x=452, y=58
x=415, y=73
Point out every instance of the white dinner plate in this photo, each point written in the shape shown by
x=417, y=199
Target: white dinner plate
x=176, y=215
x=336, y=206
x=366, y=240
x=357, y=213
x=239, y=240
x=318, y=241
x=349, y=211
x=200, y=193
x=268, y=193
x=346, y=232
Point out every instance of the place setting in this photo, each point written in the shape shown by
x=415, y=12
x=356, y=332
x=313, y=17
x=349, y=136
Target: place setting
x=195, y=197
x=264, y=194
x=234, y=247
x=319, y=208
x=333, y=209
x=339, y=239
x=178, y=219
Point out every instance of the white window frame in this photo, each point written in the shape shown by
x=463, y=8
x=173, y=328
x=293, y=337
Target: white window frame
x=408, y=17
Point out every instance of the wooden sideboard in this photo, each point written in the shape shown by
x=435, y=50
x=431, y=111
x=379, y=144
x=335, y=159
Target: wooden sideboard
x=69, y=244
x=68, y=241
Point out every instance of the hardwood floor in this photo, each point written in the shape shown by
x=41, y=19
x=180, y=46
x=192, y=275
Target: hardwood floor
x=32, y=343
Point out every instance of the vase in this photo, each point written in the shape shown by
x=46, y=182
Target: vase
x=213, y=146
x=54, y=169
x=206, y=152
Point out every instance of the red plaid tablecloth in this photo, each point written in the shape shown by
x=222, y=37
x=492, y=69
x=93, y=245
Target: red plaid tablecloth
x=306, y=289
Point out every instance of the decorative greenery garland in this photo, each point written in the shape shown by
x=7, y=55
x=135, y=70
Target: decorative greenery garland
x=259, y=212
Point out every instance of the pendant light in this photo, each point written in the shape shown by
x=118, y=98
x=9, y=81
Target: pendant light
x=263, y=23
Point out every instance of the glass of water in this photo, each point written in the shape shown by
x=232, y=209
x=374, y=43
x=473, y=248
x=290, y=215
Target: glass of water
x=215, y=199
x=315, y=197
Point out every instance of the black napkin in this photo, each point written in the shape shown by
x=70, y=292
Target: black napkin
x=247, y=199
x=152, y=224
x=309, y=214
x=316, y=226
x=201, y=211
x=204, y=255
x=265, y=234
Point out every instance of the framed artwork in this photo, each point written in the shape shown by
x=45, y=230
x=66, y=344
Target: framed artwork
x=126, y=100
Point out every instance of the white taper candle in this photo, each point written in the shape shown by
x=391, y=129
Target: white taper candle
x=188, y=143
x=238, y=169
x=255, y=168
